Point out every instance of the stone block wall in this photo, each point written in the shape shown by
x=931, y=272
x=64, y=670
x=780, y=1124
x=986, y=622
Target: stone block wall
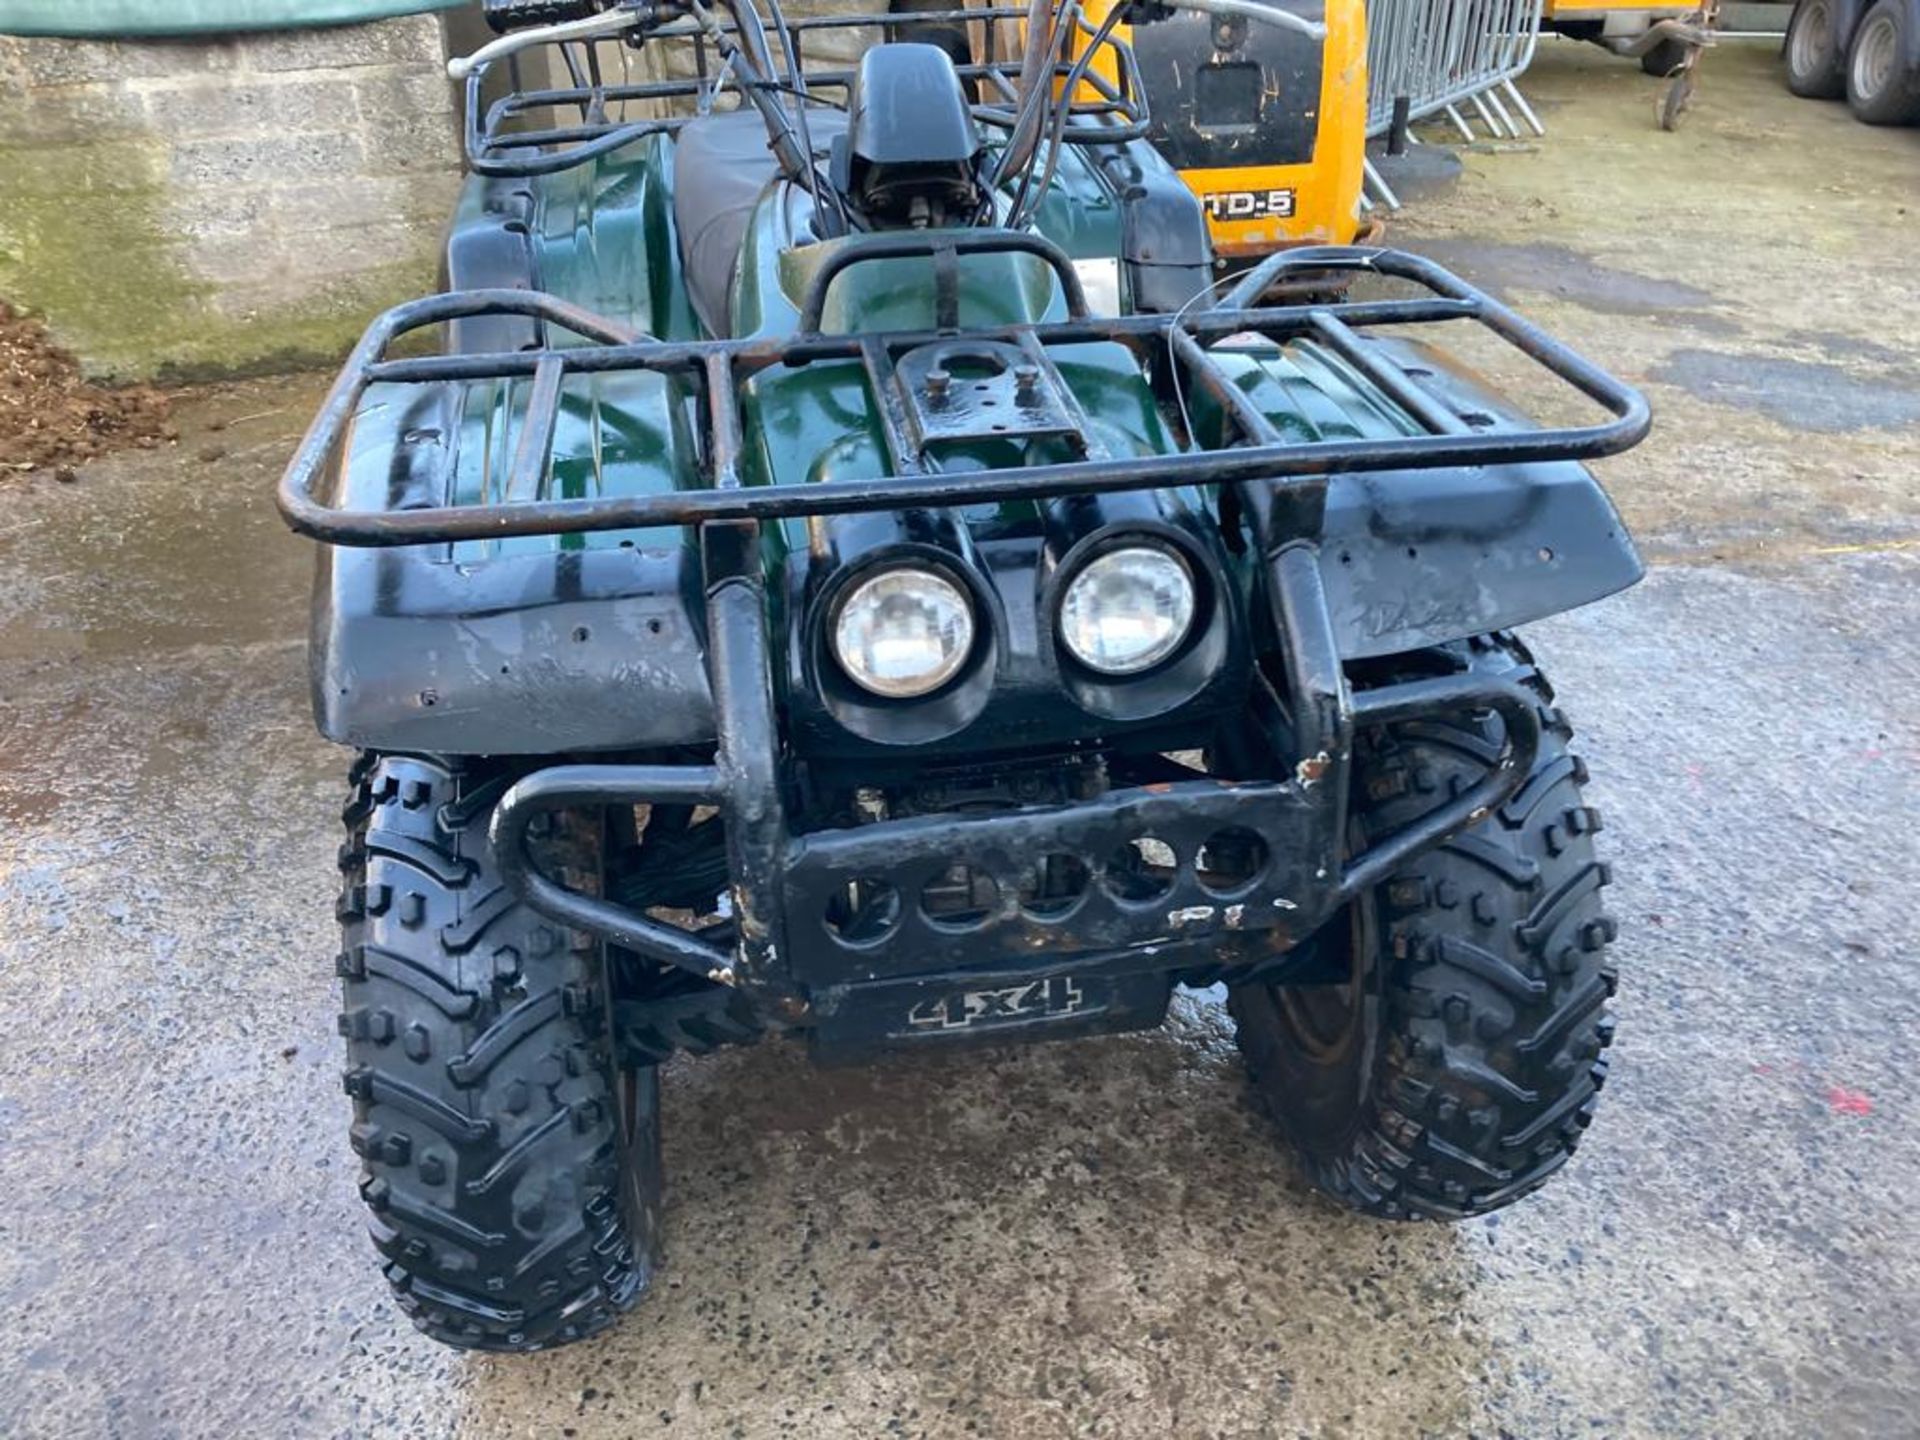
x=191, y=207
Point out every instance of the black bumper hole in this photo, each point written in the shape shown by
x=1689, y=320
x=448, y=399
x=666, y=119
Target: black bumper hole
x=863, y=911
x=1054, y=887
x=961, y=896
x=1230, y=860
x=1142, y=869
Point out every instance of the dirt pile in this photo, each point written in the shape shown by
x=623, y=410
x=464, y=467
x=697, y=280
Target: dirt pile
x=51, y=418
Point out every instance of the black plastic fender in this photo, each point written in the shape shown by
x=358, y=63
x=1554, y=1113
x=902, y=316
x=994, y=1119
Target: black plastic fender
x=1413, y=558
x=528, y=655
x=537, y=653
x=1163, y=232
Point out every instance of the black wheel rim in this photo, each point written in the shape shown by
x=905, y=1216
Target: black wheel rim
x=1328, y=1023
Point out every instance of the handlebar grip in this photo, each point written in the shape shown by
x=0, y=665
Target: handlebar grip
x=505, y=15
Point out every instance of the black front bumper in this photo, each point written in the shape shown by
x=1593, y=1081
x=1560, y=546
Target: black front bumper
x=1104, y=962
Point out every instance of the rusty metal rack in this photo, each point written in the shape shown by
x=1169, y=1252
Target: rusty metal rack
x=1187, y=343
x=500, y=142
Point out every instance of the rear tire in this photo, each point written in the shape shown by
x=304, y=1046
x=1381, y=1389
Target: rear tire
x=1816, y=70
x=1456, y=1066
x=511, y=1173
x=1882, y=88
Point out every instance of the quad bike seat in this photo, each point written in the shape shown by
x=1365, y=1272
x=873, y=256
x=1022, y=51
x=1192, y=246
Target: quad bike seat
x=721, y=167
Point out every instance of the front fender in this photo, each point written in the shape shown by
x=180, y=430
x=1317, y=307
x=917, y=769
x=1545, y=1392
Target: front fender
x=1419, y=557
x=527, y=647
x=527, y=654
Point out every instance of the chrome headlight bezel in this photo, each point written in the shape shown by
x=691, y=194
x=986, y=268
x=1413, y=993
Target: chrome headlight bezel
x=942, y=588
x=1113, y=554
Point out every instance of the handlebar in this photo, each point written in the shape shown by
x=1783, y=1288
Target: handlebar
x=615, y=21
x=504, y=15
x=593, y=27
x=1259, y=14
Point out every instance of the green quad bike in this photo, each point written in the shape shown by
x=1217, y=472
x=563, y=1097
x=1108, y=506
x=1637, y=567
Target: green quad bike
x=853, y=569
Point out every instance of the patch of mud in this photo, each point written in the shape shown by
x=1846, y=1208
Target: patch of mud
x=1800, y=394
x=51, y=418
x=1568, y=275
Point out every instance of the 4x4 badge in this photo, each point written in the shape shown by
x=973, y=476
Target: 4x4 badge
x=1051, y=999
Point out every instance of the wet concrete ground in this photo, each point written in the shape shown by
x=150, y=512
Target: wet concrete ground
x=1095, y=1239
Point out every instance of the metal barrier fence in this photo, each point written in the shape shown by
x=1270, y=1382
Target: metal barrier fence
x=1448, y=57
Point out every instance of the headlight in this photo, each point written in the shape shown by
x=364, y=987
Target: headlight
x=903, y=633
x=1128, y=610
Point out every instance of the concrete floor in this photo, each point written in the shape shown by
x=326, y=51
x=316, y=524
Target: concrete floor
x=1096, y=1239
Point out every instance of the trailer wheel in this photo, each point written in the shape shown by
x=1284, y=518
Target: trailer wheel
x=1664, y=58
x=1816, y=70
x=1882, y=89
x=1453, y=1064
x=510, y=1171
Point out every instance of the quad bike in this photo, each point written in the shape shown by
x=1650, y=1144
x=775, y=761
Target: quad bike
x=789, y=603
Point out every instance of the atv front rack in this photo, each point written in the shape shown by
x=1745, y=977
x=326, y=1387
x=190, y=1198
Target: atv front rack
x=1185, y=346
x=501, y=142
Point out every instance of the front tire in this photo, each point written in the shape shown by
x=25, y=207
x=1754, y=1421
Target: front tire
x=1455, y=1062
x=511, y=1174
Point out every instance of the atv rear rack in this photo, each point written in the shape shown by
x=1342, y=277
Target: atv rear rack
x=1186, y=345
x=500, y=142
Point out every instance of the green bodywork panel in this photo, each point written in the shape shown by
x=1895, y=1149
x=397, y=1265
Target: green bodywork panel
x=572, y=643
x=820, y=422
x=602, y=236
x=603, y=239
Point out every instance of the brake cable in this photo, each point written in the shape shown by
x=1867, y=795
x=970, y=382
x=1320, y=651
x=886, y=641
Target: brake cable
x=1062, y=119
